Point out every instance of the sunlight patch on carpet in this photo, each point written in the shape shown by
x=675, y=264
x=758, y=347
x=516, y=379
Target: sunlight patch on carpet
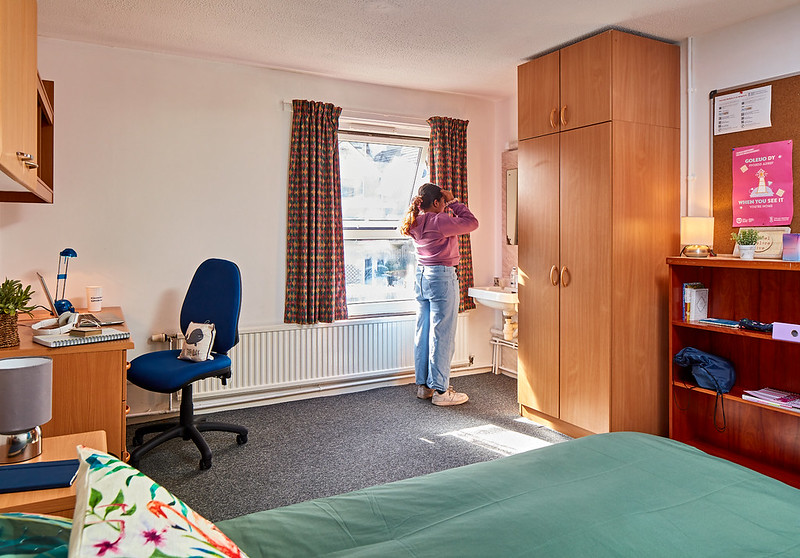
x=498, y=439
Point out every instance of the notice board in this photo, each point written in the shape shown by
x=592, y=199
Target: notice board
x=785, y=119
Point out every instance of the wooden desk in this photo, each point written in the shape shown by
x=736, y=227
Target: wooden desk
x=89, y=385
x=53, y=501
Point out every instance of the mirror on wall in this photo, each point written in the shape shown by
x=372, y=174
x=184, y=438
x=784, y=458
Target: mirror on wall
x=511, y=207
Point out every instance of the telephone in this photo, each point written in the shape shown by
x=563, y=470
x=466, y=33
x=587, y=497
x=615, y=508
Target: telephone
x=54, y=326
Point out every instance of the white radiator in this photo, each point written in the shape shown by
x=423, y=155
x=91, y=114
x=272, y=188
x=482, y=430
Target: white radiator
x=287, y=359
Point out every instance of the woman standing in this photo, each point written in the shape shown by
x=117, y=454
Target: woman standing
x=435, y=235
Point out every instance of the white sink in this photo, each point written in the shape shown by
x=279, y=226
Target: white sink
x=499, y=298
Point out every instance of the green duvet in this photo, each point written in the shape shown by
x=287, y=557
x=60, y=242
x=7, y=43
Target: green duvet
x=621, y=494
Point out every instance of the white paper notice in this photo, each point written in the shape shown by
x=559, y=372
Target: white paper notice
x=743, y=110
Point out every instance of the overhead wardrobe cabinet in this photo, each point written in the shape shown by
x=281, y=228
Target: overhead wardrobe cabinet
x=26, y=110
x=599, y=195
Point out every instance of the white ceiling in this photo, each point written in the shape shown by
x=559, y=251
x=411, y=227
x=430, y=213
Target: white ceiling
x=461, y=46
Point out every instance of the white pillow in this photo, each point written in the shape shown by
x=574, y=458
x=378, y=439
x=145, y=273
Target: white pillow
x=199, y=341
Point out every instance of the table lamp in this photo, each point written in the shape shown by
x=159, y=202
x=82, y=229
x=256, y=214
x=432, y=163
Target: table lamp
x=62, y=304
x=26, y=386
x=697, y=236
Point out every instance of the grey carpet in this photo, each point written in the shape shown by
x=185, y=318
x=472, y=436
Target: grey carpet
x=319, y=447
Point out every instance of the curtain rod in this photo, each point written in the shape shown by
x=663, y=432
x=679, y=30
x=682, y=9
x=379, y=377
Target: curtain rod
x=367, y=115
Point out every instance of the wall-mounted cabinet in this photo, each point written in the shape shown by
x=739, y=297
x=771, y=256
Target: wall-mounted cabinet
x=598, y=213
x=26, y=110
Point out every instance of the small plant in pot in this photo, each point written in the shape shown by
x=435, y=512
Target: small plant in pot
x=746, y=239
x=13, y=300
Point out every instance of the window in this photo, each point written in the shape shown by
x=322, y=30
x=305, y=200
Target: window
x=380, y=175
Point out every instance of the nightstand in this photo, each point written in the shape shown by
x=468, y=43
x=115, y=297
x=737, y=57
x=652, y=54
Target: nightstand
x=53, y=501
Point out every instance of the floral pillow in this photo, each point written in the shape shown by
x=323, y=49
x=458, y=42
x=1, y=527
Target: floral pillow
x=119, y=511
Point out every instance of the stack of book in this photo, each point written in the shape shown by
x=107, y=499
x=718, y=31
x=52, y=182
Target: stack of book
x=695, y=302
x=775, y=398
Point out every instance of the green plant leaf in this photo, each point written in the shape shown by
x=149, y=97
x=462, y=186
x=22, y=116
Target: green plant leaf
x=115, y=505
x=95, y=498
x=14, y=298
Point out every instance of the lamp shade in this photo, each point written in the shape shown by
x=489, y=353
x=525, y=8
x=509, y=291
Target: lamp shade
x=697, y=230
x=26, y=386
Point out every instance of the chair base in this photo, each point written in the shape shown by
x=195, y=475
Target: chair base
x=187, y=427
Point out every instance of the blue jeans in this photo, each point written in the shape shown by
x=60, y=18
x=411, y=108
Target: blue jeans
x=436, y=288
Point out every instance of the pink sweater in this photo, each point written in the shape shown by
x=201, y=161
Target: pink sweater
x=435, y=235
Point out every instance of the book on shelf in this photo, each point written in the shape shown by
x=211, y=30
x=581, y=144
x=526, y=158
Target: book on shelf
x=774, y=397
x=66, y=340
x=733, y=324
x=695, y=302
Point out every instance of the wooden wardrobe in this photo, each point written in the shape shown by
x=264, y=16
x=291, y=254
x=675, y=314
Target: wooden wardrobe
x=599, y=211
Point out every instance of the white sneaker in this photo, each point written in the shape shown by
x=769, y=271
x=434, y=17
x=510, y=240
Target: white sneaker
x=450, y=397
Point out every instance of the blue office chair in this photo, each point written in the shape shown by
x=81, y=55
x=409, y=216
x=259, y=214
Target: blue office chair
x=215, y=296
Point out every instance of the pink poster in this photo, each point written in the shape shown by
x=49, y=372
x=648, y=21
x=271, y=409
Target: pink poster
x=762, y=185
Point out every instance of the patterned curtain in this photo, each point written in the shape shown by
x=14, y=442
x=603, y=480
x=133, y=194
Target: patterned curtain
x=315, y=283
x=448, y=162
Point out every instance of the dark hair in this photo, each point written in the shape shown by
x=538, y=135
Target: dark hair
x=426, y=195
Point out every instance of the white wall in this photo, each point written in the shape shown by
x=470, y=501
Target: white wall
x=756, y=50
x=163, y=161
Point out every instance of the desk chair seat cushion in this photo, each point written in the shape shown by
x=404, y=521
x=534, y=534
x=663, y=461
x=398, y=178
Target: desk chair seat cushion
x=119, y=511
x=164, y=372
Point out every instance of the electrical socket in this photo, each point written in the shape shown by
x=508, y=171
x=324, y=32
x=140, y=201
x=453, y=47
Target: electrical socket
x=496, y=282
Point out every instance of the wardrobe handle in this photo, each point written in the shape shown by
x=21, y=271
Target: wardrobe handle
x=564, y=115
x=554, y=275
x=564, y=277
x=31, y=165
x=553, y=118
x=24, y=156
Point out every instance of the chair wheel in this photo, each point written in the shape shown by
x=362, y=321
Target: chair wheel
x=241, y=439
x=137, y=441
x=205, y=464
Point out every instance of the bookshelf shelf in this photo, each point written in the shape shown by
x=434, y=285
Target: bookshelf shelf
x=735, y=397
x=758, y=436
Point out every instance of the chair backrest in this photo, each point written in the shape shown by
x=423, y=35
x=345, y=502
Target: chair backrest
x=215, y=296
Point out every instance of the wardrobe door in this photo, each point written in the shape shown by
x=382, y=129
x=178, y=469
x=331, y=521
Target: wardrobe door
x=586, y=242
x=586, y=82
x=537, y=98
x=538, y=210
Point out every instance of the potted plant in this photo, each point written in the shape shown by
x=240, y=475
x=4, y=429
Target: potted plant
x=13, y=299
x=746, y=239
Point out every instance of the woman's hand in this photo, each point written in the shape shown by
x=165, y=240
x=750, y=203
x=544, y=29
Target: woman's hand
x=448, y=195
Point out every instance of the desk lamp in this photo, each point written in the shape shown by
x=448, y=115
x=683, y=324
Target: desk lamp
x=697, y=236
x=62, y=304
x=26, y=386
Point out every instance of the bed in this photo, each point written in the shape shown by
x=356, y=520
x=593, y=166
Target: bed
x=620, y=494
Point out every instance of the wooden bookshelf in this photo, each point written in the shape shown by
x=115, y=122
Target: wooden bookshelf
x=760, y=437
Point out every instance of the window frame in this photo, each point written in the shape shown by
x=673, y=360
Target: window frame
x=372, y=230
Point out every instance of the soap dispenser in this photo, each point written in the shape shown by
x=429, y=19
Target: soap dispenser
x=512, y=280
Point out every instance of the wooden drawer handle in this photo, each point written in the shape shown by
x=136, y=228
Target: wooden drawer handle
x=553, y=117
x=554, y=275
x=565, y=277
x=564, y=115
